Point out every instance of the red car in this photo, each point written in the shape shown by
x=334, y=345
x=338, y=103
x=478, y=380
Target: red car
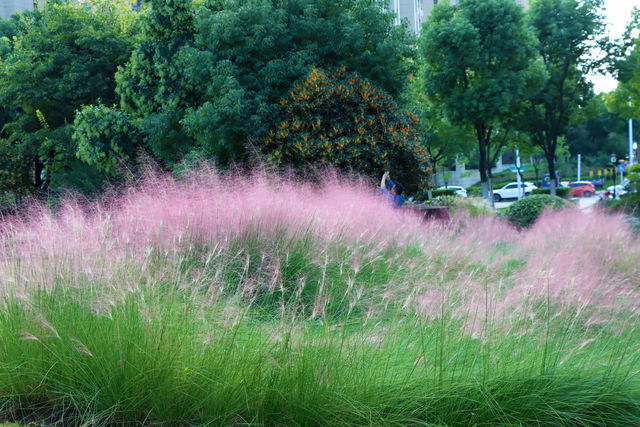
x=582, y=189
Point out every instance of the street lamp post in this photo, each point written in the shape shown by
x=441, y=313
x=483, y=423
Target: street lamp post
x=614, y=162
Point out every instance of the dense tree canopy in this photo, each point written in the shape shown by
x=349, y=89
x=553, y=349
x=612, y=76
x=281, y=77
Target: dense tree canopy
x=625, y=100
x=208, y=78
x=63, y=59
x=442, y=140
x=566, y=30
x=341, y=119
x=600, y=134
x=479, y=65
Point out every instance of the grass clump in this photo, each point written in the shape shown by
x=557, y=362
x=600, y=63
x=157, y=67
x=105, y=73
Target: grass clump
x=524, y=212
x=242, y=312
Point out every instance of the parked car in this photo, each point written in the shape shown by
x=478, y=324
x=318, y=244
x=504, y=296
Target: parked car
x=582, y=189
x=618, y=190
x=510, y=191
x=598, y=183
x=460, y=191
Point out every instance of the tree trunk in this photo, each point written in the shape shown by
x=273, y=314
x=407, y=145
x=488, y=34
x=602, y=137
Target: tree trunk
x=434, y=178
x=482, y=145
x=37, y=178
x=552, y=174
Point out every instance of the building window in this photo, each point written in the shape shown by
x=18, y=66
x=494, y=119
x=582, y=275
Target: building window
x=435, y=2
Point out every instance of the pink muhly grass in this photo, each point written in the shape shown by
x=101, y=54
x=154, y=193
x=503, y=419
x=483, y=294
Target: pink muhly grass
x=162, y=215
x=578, y=259
x=110, y=244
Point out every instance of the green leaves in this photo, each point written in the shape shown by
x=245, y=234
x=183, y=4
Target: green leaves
x=479, y=64
x=106, y=138
x=523, y=213
x=209, y=81
x=563, y=45
x=477, y=59
x=340, y=119
x=60, y=60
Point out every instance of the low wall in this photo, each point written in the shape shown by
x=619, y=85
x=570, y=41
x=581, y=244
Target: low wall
x=466, y=178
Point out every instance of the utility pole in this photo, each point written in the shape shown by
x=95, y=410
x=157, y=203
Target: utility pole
x=630, y=138
x=630, y=142
x=518, y=180
x=579, y=161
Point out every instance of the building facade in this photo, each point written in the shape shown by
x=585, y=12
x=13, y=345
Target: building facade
x=417, y=11
x=411, y=10
x=9, y=7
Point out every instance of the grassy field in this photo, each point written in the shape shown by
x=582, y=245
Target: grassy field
x=261, y=301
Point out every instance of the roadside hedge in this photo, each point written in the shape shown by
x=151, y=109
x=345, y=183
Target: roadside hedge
x=563, y=192
x=444, y=192
x=524, y=212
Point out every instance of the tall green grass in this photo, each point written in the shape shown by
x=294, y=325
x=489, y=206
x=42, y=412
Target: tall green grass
x=471, y=323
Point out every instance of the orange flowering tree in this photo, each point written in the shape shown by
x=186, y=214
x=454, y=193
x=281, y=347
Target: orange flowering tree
x=341, y=119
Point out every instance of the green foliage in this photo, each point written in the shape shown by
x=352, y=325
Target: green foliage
x=479, y=65
x=628, y=204
x=446, y=192
x=602, y=132
x=524, y=212
x=209, y=76
x=442, y=140
x=106, y=138
x=566, y=30
x=13, y=178
x=442, y=200
x=423, y=194
x=474, y=190
x=563, y=192
x=152, y=84
x=59, y=62
x=625, y=100
x=341, y=119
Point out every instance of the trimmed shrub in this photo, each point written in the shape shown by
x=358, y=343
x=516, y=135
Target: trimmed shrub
x=339, y=118
x=446, y=192
x=524, y=212
x=563, y=192
x=442, y=200
x=628, y=204
x=634, y=178
x=474, y=190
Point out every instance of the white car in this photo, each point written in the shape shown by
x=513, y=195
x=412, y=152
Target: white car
x=460, y=191
x=510, y=191
x=619, y=190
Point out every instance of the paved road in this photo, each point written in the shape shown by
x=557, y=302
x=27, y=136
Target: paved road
x=584, y=203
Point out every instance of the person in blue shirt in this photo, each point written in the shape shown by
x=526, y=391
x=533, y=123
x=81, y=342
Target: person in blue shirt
x=394, y=195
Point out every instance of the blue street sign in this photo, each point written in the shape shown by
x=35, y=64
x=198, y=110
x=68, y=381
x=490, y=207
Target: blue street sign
x=515, y=169
x=621, y=167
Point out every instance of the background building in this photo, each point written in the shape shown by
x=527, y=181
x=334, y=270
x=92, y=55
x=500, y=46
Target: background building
x=9, y=7
x=417, y=11
x=412, y=10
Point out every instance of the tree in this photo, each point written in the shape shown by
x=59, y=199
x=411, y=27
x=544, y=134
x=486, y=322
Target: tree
x=341, y=119
x=601, y=132
x=152, y=87
x=106, y=138
x=625, y=65
x=479, y=65
x=210, y=82
x=566, y=31
x=64, y=59
x=441, y=139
